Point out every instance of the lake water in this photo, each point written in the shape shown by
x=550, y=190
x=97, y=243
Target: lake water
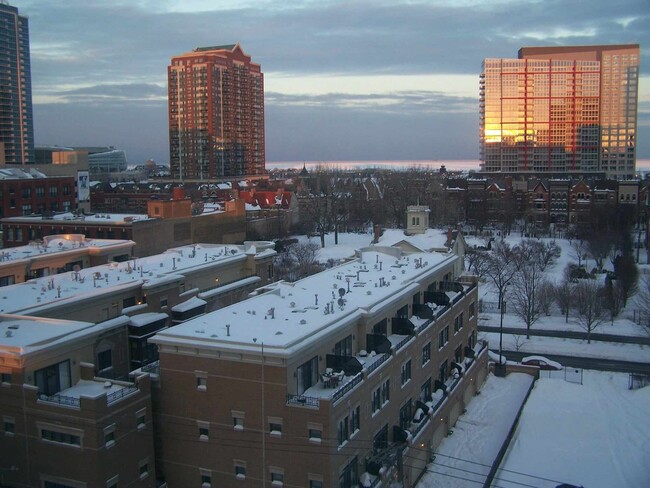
x=643, y=165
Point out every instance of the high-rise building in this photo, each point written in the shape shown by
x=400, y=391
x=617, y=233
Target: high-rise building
x=559, y=110
x=16, y=123
x=216, y=114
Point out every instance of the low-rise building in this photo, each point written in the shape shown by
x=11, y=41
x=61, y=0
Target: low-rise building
x=333, y=380
x=57, y=254
x=62, y=425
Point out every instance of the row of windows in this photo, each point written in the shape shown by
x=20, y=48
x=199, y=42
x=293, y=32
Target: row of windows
x=276, y=475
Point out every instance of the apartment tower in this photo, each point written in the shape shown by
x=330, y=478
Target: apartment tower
x=561, y=110
x=16, y=122
x=216, y=114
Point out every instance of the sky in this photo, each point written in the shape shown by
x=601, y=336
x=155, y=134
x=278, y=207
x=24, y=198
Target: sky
x=344, y=80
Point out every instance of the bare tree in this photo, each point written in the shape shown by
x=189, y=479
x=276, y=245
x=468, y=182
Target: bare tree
x=643, y=299
x=598, y=247
x=476, y=261
x=519, y=341
x=526, y=282
x=500, y=267
x=580, y=250
x=546, y=296
x=563, y=291
x=589, y=305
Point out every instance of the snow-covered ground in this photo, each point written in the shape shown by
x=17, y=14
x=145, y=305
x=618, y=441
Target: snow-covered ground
x=464, y=458
x=596, y=435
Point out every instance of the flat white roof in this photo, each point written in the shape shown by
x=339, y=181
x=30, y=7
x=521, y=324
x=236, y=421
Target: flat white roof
x=37, y=294
x=98, y=218
x=292, y=314
x=20, y=335
x=57, y=244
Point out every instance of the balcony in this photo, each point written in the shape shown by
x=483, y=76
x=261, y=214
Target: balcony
x=99, y=390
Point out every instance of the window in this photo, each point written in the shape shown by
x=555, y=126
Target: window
x=406, y=372
x=315, y=433
x=5, y=378
x=143, y=468
x=27, y=209
x=471, y=309
x=269, y=271
x=112, y=483
x=349, y=477
x=380, y=327
x=109, y=436
x=277, y=477
x=204, y=430
x=206, y=478
x=344, y=347
x=443, y=337
x=443, y=372
x=315, y=482
x=275, y=426
x=53, y=379
x=425, y=390
x=201, y=380
x=426, y=353
x=344, y=430
x=405, y=415
x=9, y=426
x=385, y=392
x=104, y=361
x=73, y=439
x=238, y=420
x=141, y=419
x=54, y=191
x=380, y=441
x=355, y=420
x=458, y=323
x=240, y=469
x=376, y=400
x=163, y=302
x=307, y=375
x=40, y=191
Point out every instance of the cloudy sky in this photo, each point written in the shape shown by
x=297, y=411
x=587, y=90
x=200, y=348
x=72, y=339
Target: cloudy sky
x=344, y=80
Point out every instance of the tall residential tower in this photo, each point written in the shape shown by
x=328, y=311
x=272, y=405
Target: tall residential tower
x=16, y=122
x=561, y=110
x=216, y=114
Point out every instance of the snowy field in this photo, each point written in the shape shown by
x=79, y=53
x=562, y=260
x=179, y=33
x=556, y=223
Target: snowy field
x=596, y=435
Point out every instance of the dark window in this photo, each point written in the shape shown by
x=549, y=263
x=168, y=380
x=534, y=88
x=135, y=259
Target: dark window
x=344, y=430
x=425, y=390
x=61, y=437
x=307, y=375
x=349, y=478
x=426, y=353
x=355, y=420
x=405, y=415
x=53, y=379
x=344, y=347
x=380, y=327
x=104, y=360
x=380, y=441
x=406, y=372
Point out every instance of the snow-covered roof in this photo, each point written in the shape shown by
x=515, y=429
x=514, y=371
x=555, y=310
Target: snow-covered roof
x=292, y=314
x=193, y=302
x=57, y=244
x=143, y=319
x=20, y=335
x=99, y=218
x=431, y=239
x=41, y=293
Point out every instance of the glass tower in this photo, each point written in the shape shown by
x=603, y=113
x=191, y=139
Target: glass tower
x=16, y=123
x=561, y=110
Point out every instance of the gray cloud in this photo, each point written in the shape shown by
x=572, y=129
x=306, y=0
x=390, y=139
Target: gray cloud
x=113, y=47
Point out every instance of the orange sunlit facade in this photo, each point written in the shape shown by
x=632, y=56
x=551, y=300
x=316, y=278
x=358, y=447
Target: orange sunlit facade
x=216, y=114
x=561, y=110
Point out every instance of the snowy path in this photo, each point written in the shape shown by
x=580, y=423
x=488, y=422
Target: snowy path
x=464, y=458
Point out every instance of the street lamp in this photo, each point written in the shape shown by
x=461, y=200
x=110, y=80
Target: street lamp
x=500, y=369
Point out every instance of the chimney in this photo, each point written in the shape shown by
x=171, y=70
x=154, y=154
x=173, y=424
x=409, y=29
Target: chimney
x=178, y=193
